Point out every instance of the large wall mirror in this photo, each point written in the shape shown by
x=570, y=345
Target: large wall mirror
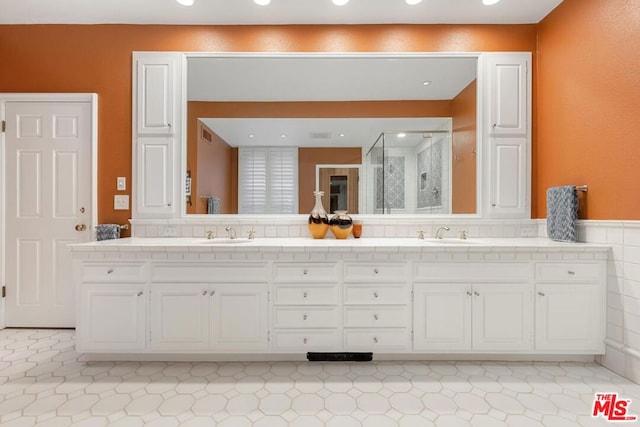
x=378, y=134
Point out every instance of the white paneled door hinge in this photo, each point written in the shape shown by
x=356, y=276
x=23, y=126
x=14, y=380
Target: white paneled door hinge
x=411, y=336
x=4, y=126
x=4, y=291
x=268, y=336
x=268, y=295
x=411, y=296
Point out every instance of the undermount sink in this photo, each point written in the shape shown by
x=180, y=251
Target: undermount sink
x=225, y=241
x=451, y=241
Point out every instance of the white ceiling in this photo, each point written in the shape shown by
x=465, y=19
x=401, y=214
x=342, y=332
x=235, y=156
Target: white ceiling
x=341, y=78
x=318, y=132
x=245, y=12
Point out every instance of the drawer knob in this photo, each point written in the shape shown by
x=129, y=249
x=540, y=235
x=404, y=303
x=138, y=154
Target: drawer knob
x=109, y=271
x=375, y=317
x=375, y=270
x=204, y=293
x=140, y=293
x=304, y=295
x=476, y=293
x=571, y=273
x=304, y=271
x=375, y=340
x=541, y=294
x=212, y=293
x=304, y=341
x=469, y=293
x=375, y=295
x=304, y=317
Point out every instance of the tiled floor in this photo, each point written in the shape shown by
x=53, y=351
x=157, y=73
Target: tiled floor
x=43, y=382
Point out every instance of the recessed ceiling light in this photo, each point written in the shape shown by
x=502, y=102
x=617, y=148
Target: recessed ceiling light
x=185, y=2
x=489, y=2
x=284, y=135
x=342, y=134
x=262, y=2
x=402, y=135
x=426, y=83
x=340, y=2
x=251, y=135
x=413, y=2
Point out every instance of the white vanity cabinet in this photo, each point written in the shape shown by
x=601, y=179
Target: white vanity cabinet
x=213, y=307
x=492, y=313
x=507, y=133
x=305, y=307
x=570, y=315
x=376, y=312
x=157, y=118
x=113, y=305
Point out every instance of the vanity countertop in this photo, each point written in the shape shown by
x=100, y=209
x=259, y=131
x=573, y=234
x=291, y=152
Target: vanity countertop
x=305, y=244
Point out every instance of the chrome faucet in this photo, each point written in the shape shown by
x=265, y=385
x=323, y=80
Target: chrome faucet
x=231, y=231
x=211, y=234
x=420, y=234
x=440, y=230
x=252, y=234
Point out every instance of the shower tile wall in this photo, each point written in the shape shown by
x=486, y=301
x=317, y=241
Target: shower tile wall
x=430, y=176
x=392, y=181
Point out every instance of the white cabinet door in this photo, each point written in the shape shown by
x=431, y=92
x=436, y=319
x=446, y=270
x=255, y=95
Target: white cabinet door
x=155, y=193
x=502, y=317
x=180, y=317
x=508, y=177
x=155, y=96
x=239, y=319
x=508, y=93
x=112, y=317
x=442, y=317
x=570, y=317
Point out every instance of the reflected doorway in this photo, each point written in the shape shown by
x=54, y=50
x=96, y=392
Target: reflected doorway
x=340, y=186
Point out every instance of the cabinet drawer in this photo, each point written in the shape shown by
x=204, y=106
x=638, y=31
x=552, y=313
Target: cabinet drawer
x=305, y=317
x=375, y=340
x=472, y=271
x=110, y=272
x=209, y=272
x=569, y=271
x=375, y=295
x=315, y=294
x=372, y=317
x=299, y=272
x=375, y=272
x=299, y=340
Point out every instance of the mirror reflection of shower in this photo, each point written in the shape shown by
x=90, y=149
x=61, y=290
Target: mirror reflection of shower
x=410, y=172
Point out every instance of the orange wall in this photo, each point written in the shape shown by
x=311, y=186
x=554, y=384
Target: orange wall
x=308, y=158
x=464, y=117
x=97, y=58
x=212, y=175
x=588, y=100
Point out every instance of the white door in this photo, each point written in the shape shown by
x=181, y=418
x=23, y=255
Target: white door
x=569, y=317
x=239, y=317
x=502, y=317
x=180, y=317
x=104, y=331
x=442, y=317
x=48, y=206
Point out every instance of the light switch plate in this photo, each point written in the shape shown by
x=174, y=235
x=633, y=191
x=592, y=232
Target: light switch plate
x=121, y=202
x=121, y=183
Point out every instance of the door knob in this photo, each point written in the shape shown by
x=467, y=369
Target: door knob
x=81, y=227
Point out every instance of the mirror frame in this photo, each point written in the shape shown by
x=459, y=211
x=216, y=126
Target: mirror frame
x=268, y=218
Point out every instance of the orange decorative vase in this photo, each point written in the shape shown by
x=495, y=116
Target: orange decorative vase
x=318, y=218
x=341, y=224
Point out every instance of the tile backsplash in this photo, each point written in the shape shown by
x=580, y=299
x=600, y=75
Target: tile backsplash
x=296, y=226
